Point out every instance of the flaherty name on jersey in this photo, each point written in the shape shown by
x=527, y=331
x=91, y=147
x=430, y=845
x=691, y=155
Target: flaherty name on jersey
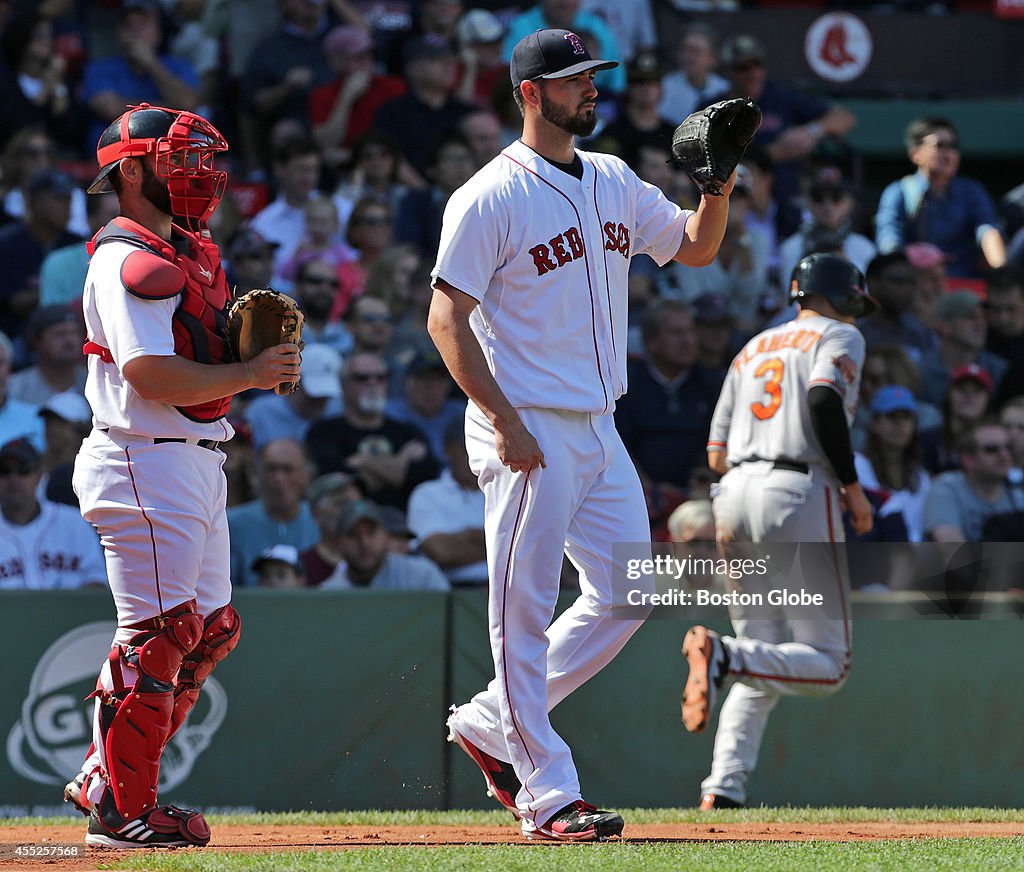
x=567, y=246
x=801, y=340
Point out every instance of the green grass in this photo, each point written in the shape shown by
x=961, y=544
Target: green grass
x=923, y=854
x=785, y=814
x=762, y=856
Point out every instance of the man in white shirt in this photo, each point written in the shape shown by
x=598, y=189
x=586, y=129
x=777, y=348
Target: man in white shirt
x=43, y=545
x=447, y=515
x=694, y=82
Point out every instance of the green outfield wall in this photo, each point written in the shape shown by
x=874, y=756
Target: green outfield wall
x=337, y=700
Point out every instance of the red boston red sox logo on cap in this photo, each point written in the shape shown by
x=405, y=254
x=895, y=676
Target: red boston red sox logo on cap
x=577, y=44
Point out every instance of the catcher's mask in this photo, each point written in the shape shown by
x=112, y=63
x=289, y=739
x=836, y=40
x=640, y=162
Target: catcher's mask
x=835, y=279
x=183, y=144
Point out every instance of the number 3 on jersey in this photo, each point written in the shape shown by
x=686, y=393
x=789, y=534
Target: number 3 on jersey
x=773, y=369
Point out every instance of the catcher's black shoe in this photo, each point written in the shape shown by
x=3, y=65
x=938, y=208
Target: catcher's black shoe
x=714, y=802
x=166, y=826
x=73, y=794
x=580, y=822
x=500, y=778
x=709, y=664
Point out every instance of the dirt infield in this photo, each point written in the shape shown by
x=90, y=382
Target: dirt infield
x=235, y=838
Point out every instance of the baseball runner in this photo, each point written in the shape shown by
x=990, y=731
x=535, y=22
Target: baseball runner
x=529, y=314
x=149, y=475
x=780, y=434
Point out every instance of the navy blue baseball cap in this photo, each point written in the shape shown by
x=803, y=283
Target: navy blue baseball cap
x=552, y=54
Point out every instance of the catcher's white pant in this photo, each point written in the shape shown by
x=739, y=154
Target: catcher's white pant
x=772, y=654
x=588, y=497
x=160, y=513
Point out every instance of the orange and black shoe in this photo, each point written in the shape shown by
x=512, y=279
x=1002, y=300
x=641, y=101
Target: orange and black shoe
x=709, y=663
x=714, y=802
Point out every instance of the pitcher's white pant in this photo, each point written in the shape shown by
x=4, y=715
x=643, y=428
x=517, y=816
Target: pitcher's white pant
x=772, y=654
x=160, y=513
x=587, y=498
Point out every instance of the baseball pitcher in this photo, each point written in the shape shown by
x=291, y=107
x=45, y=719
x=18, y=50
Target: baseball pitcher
x=529, y=314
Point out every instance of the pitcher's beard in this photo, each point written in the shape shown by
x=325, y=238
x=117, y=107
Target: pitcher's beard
x=574, y=124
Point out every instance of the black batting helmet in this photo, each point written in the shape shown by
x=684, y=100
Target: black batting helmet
x=836, y=279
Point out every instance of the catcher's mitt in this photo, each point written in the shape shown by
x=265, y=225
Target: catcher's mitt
x=710, y=143
x=262, y=319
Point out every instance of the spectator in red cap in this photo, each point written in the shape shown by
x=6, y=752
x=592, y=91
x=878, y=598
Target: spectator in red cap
x=967, y=401
x=962, y=334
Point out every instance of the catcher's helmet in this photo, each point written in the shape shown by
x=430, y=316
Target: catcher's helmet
x=183, y=145
x=836, y=279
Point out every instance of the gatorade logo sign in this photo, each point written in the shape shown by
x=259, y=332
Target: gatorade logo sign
x=838, y=47
x=49, y=741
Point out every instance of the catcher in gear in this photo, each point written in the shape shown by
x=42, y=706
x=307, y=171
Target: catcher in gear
x=709, y=144
x=149, y=477
x=261, y=319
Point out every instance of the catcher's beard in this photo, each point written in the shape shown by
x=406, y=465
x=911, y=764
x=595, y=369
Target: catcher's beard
x=155, y=190
x=562, y=118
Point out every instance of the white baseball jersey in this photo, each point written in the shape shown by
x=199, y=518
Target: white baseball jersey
x=131, y=327
x=763, y=412
x=539, y=248
x=57, y=549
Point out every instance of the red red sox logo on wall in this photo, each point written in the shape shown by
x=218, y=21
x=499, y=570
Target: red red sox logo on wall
x=568, y=246
x=577, y=44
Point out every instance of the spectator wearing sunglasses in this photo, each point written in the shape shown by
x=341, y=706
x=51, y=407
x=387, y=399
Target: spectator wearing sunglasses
x=370, y=231
x=389, y=457
x=961, y=501
x=316, y=284
x=830, y=205
x=936, y=205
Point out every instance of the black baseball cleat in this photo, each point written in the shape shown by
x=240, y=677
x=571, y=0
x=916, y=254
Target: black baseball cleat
x=73, y=794
x=580, y=822
x=166, y=826
x=709, y=663
x=714, y=802
x=500, y=778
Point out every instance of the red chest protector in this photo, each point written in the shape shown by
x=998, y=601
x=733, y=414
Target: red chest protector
x=188, y=266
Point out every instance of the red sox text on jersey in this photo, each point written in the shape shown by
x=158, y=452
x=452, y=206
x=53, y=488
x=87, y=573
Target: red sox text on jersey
x=568, y=246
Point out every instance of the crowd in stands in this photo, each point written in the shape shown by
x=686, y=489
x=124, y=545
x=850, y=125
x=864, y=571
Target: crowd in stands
x=351, y=124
